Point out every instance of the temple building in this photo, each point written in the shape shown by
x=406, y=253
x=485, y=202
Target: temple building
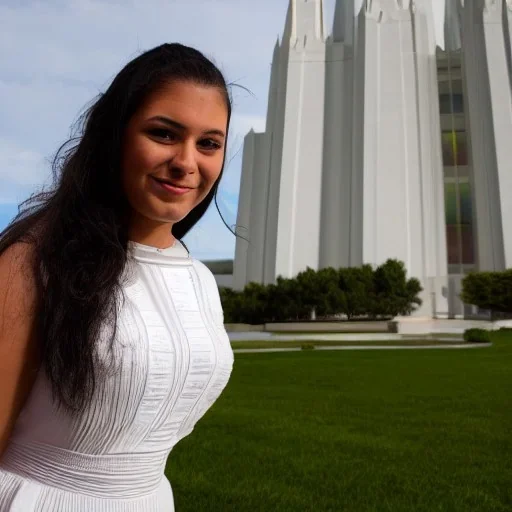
x=383, y=142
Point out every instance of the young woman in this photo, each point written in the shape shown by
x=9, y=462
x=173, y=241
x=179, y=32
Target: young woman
x=112, y=343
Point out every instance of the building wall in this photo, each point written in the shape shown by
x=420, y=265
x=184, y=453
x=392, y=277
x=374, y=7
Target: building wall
x=243, y=224
x=258, y=208
x=337, y=163
x=295, y=129
x=496, y=51
x=224, y=280
x=477, y=46
x=459, y=203
x=298, y=220
x=398, y=206
x=378, y=147
x=430, y=156
x=275, y=131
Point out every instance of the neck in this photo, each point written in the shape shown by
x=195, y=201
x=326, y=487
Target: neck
x=152, y=233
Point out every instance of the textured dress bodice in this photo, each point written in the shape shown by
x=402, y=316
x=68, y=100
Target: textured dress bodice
x=170, y=361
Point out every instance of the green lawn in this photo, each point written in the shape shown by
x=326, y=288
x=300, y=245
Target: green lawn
x=397, y=431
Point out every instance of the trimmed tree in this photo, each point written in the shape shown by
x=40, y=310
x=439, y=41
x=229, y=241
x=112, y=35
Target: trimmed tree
x=396, y=295
x=489, y=290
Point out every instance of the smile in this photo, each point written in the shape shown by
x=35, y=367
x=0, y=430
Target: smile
x=171, y=188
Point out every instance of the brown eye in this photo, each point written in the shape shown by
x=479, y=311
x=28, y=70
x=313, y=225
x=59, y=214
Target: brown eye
x=209, y=144
x=163, y=134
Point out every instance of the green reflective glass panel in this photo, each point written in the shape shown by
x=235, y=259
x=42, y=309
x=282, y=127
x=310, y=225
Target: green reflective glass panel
x=450, y=203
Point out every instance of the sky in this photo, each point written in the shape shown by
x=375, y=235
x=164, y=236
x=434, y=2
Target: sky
x=57, y=55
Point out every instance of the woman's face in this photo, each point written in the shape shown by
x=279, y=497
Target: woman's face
x=173, y=153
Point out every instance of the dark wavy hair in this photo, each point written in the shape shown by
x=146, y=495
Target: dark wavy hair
x=78, y=229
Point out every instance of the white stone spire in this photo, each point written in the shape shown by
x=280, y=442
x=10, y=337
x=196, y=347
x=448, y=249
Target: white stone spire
x=425, y=24
x=343, y=26
x=452, y=32
x=397, y=168
x=383, y=10
x=304, y=23
x=493, y=10
x=486, y=44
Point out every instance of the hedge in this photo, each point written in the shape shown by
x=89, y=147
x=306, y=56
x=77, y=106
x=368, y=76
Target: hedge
x=489, y=290
x=476, y=335
x=356, y=292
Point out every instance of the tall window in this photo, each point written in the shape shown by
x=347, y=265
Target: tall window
x=455, y=152
x=451, y=103
x=459, y=224
x=458, y=194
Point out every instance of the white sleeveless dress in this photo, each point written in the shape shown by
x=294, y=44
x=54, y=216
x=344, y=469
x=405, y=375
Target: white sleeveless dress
x=173, y=359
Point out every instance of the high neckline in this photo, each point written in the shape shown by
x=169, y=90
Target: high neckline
x=150, y=254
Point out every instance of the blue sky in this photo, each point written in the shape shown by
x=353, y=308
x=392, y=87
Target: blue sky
x=57, y=55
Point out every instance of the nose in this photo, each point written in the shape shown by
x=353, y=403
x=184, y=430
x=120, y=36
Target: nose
x=184, y=159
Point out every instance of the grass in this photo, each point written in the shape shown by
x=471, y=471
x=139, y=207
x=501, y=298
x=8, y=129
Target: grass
x=362, y=331
x=259, y=344
x=378, y=431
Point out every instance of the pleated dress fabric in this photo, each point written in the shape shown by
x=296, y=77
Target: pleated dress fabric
x=170, y=361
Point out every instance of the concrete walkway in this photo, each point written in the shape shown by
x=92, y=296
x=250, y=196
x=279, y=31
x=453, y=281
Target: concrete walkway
x=338, y=336
x=335, y=336
x=410, y=328
x=367, y=347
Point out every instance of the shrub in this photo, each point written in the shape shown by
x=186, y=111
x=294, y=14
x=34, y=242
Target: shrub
x=307, y=346
x=395, y=294
x=254, y=304
x=285, y=301
x=319, y=291
x=477, y=336
x=231, y=305
x=354, y=292
x=357, y=284
x=489, y=290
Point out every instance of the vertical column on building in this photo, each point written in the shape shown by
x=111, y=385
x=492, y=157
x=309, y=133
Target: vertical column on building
x=337, y=164
x=243, y=220
x=497, y=21
x=489, y=107
x=301, y=146
x=391, y=182
x=261, y=180
x=253, y=224
x=275, y=128
x=259, y=208
x=435, y=272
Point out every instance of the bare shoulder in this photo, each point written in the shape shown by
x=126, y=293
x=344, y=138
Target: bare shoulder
x=18, y=290
x=19, y=347
x=18, y=300
x=19, y=255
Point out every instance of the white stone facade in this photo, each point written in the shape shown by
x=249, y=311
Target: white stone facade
x=350, y=167
x=486, y=45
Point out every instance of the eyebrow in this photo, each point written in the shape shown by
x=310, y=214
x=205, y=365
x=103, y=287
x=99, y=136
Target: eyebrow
x=179, y=126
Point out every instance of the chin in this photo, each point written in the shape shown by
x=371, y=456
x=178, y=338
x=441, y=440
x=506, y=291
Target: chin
x=169, y=214
x=154, y=210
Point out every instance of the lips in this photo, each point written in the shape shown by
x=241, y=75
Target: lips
x=175, y=185
x=172, y=187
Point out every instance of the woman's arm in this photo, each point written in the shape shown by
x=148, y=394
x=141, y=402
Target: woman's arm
x=19, y=351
